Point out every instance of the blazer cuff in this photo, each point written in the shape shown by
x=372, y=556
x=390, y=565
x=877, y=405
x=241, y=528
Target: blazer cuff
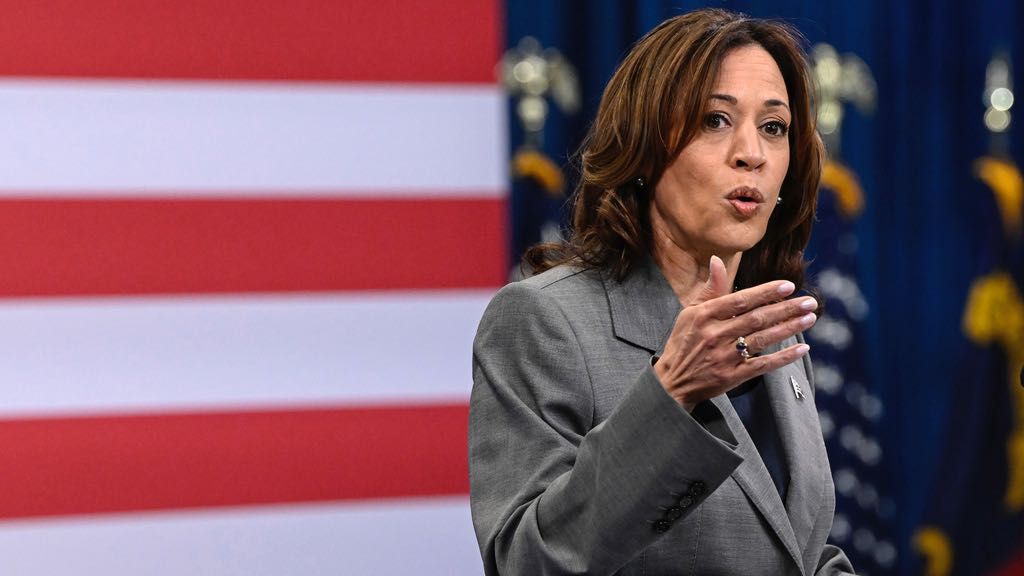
x=684, y=460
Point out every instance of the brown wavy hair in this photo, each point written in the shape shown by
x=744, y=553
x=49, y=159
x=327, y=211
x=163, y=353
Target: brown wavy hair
x=651, y=109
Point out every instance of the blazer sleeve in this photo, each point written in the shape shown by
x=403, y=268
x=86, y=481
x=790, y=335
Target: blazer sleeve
x=553, y=492
x=834, y=562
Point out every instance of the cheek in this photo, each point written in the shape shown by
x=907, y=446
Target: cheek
x=783, y=167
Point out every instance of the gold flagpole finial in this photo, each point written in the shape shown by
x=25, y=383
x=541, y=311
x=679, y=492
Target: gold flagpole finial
x=531, y=76
x=998, y=99
x=839, y=79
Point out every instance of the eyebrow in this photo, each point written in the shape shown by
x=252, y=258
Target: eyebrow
x=771, y=103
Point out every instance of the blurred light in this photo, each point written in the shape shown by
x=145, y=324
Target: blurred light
x=830, y=114
x=1001, y=99
x=827, y=378
x=829, y=70
x=870, y=452
x=842, y=287
x=863, y=540
x=835, y=333
x=846, y=482
x=840, y=527
x=532, y=111
x=524, y=71
x=828, y=426
x=871, y=407
x=997, y=120
x=850, y=437
x=885, y=553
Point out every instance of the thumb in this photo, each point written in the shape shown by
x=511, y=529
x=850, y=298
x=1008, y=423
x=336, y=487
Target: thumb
x=717, y=284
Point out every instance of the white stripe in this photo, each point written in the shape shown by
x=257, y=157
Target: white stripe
x=145, y=354
x=426, y=537
x=136, y=138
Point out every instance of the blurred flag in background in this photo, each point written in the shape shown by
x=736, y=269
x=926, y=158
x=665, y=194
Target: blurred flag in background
x=848, y=407
x=975, y=521
x=244, y=247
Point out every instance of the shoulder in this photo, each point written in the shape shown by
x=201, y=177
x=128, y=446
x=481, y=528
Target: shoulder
x=563, y=278
x=563, y=287
x=559, y=295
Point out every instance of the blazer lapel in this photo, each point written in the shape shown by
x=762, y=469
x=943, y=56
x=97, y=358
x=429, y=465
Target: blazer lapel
x=753, y=478
x=802, y=444
x=643, y=307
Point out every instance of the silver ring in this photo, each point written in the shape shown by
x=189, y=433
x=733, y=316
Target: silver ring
x=741, y=347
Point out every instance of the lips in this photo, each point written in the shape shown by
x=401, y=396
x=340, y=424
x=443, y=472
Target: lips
x=745, y=200
x=746, y=194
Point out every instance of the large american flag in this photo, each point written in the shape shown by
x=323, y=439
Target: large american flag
x=244, y=246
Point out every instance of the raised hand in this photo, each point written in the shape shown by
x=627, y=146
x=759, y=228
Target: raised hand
x=701, y=359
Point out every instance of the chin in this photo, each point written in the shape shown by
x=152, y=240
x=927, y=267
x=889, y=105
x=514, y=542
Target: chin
x=743, y=240
x=739, y=244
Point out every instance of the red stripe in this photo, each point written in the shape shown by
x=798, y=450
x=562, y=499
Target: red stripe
x=353, y=40
x=93, y=465
x=54, y=247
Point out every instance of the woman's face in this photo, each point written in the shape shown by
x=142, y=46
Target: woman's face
x=717, y=195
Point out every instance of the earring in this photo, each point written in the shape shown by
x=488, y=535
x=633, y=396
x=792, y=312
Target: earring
x=778, y=200
x=639, y=183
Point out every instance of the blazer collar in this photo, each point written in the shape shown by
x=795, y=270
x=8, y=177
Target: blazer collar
x=643, y=306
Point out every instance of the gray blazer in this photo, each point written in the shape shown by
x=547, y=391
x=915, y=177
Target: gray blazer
x=581, y=463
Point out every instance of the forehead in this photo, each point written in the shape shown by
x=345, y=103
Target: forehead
x=751, y=71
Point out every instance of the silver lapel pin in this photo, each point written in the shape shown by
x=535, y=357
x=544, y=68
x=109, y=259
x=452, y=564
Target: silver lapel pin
x=796, y=388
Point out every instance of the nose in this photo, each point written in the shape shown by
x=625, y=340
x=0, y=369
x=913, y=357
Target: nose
x=747, y=152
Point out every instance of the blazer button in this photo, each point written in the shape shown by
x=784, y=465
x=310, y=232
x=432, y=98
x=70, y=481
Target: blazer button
x=685, y=502
x=673, y=513
x=697, y=488
x=662, y=526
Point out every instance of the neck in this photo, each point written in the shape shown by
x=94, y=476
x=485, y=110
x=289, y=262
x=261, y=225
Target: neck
x=686, y=269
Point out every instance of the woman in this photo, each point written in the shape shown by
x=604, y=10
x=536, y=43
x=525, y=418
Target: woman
x=644, y=404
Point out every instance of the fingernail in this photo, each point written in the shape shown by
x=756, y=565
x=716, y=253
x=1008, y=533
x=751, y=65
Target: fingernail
x=807, y=319
x=808, y=304
x=786, y=288
x=802, y=349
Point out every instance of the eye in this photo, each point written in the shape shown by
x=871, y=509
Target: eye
x=775, y=128
x=716, y=121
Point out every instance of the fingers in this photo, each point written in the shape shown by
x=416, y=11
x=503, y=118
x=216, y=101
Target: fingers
x=743, y=301
x=760, y=365
x=758, y=341
x=770, y=324
x=700, y=358
x=717, y=284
